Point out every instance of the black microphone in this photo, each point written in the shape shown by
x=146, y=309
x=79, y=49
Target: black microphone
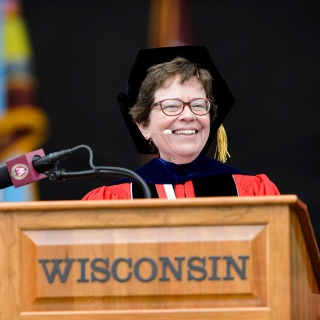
x=43, y=164
x=29, y=167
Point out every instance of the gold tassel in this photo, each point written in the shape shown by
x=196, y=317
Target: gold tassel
x=221, y=153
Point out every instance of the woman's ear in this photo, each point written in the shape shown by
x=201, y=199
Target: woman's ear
x=144, y=130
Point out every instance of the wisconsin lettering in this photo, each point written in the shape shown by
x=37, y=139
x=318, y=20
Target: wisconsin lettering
x=145, y=269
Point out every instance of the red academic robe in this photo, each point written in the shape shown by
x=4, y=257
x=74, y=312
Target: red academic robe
x=245, y=185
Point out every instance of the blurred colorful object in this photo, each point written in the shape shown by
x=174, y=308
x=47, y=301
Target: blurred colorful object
x=23, y=125
x=170, y=23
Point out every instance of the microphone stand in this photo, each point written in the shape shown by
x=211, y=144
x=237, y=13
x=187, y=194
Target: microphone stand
x=56, y=174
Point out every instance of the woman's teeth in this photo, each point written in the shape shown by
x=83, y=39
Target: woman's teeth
x=187, y=132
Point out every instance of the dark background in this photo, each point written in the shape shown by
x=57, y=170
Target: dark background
x=267, y=51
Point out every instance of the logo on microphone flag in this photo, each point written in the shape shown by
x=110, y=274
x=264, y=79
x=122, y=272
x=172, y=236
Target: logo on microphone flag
x=19, y=171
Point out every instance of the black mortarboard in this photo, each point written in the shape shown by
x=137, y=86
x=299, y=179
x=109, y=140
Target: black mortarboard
x=149, y=57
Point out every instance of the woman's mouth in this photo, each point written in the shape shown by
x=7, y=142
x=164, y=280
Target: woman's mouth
x=185, y=131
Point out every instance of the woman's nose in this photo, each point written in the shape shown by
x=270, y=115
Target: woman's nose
x=187, y=114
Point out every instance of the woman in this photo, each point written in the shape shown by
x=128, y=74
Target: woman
x=175, y=112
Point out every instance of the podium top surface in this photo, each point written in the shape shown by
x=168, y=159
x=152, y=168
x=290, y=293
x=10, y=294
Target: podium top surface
x=137, y=203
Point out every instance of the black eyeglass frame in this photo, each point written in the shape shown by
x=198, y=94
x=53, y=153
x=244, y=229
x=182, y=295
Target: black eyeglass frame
x=159, y=103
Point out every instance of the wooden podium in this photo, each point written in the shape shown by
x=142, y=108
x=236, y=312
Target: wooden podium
x=204, y=258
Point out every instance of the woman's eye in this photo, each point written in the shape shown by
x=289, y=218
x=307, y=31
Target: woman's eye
x=198, y=107
x=171, y=107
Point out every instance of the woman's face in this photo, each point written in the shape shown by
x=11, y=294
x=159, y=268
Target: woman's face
x=189, y=131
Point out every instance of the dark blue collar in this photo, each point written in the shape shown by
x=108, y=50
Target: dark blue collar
x=159, y=171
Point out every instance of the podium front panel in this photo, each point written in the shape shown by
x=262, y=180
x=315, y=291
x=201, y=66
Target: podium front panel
x=149, y=267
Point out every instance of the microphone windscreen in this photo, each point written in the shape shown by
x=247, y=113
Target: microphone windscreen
x=21, y=169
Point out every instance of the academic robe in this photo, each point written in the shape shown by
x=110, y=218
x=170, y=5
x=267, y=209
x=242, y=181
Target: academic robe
x=204, y=177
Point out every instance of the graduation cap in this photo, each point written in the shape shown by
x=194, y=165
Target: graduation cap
x=195, y=54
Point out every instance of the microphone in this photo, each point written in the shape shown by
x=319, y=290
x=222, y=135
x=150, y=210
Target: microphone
x=166, y=132
x=29, y=167
x=35, y=166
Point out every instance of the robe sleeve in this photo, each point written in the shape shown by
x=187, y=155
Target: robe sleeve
x=116, y=192
x=259, y=185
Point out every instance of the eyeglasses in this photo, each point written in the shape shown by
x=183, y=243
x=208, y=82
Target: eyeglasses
x=174, y=107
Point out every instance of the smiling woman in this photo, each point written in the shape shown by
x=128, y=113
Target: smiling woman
x=190, y=130
x=175, y=103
